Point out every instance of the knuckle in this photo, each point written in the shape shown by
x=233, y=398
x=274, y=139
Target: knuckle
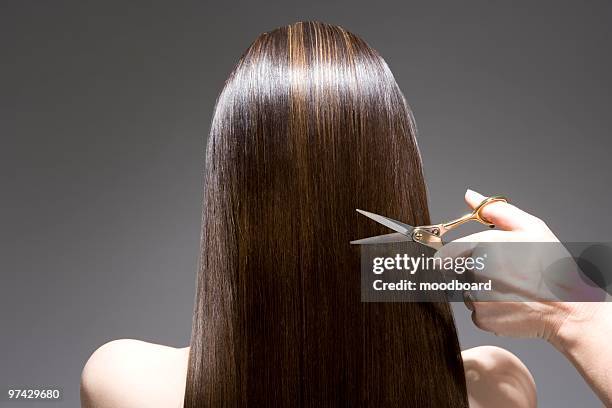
x=475, y=319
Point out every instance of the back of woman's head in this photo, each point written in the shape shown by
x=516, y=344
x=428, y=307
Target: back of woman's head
x=310, y=126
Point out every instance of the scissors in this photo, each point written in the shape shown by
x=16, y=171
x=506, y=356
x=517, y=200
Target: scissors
x=429, y=235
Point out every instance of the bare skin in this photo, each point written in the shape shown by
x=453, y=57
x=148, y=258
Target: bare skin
x=132, y=373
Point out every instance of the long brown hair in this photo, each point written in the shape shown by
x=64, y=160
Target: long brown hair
x=310, y=126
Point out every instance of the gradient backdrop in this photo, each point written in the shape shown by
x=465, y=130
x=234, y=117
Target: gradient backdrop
x=104, y=112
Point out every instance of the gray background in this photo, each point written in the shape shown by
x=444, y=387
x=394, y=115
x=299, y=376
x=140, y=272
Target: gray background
x=105, y=109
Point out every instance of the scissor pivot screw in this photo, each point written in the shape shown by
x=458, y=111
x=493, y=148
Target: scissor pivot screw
x=418, y=235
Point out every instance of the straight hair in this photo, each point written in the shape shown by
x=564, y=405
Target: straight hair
x=310, y=126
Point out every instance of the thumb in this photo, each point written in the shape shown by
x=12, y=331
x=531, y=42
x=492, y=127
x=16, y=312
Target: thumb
x=505, y=216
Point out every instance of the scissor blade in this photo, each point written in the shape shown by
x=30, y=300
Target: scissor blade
x=395, y=225
x=382, y=239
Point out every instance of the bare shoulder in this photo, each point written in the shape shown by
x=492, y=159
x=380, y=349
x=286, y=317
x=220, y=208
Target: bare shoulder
x=496, y=377
x=132, y=373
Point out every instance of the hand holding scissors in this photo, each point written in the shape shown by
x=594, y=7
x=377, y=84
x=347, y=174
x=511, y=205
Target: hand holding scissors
x=563, y=324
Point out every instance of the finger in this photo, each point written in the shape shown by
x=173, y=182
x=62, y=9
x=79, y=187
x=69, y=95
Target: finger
x=483, y=237
x=464, y=246
x=468, y=300
x=479, y=314
x=455, y=249
x=504, y=215
x=475, y=318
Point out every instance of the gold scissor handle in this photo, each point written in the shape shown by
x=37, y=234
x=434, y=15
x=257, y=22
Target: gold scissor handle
x=431, y=234
x=477, y=211
x=475, y=215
